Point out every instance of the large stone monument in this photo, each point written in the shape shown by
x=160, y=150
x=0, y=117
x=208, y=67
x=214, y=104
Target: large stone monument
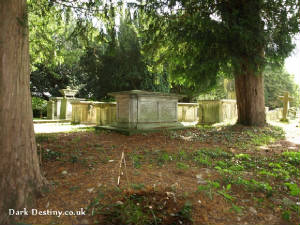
x=61, y=107
x=146, y=110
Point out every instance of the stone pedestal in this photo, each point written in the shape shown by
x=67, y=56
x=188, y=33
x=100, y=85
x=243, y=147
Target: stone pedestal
x=61, y=107
x=50, y=110
x=146, y=110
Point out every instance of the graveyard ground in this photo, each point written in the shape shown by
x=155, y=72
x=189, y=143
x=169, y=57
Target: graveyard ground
x=208, y=175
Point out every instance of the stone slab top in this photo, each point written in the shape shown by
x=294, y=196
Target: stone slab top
x=77, y=102
x=60, y=98
x=188, y=103
x=218, y=100
x=146, y=93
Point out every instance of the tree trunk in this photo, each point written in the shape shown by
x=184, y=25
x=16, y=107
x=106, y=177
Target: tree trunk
x=250, y=99
x=20, y=176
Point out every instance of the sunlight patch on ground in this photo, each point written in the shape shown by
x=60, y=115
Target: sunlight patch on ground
x=58, y=127
x=291, y=129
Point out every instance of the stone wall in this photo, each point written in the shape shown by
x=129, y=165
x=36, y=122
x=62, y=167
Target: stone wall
x=88, y=112
x=60, y=108
x=275, y=114
x=104, y=113
x=217, y=111
x=188, y=112
x=206, y=112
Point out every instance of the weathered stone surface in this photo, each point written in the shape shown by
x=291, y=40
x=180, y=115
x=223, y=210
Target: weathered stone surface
x=146, y=110
x=88, y=112
x=68, y=92
x=61, y=107
x=188, y=112
x=273, y=115
x=286, y=99
x=50, y=110
x=217, y=111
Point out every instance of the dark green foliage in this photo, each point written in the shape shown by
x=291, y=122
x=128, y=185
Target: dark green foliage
x=51, y=79
x=201, y=40
x=118, y=65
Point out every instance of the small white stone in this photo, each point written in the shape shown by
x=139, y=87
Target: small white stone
x=64, y=172
x=199, y=176
x=90, y=190
x=119, y=203
x=199, y=201
x=252, y=210
x=170, y=194
x=111, y=160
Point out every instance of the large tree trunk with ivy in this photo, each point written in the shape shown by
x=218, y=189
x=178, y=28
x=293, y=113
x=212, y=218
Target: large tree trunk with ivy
x=20, y=175
x=250, y=99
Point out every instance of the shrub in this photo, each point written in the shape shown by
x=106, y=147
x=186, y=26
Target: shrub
x=39, y=107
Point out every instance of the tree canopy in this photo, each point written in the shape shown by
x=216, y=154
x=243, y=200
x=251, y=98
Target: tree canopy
x=201, y=39
x=186, y=47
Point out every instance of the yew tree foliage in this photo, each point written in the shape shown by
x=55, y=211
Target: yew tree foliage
x=79, y=44
x=117, y=64
x=202, y=39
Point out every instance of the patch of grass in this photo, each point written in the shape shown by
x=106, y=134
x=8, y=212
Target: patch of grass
x=286, y=215
x=143, y=207
x=182, y=166
x=41, y=138
x=137, y=186
x=237, y=209
x=292, y=157
x=209, y=188
x=254, y=185
x=76, y=140
x=163, y=158
x=51, y=155
x=74, y=188
x=243, y=156
x=260, y=140
x=294, y=189
x=182, y=155
x=136, y=160
x=225, y=192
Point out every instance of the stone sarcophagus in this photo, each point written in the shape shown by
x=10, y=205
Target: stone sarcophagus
x=146, y=110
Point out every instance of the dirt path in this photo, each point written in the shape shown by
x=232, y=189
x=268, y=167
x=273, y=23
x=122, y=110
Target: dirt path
x=292, y=130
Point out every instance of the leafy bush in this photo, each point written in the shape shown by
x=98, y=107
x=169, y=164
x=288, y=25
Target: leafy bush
x=39, y=107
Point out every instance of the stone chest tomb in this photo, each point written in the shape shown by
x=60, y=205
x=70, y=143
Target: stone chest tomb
x=146, y=110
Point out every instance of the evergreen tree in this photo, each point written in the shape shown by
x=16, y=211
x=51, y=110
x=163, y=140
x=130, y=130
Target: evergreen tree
x=202, y=39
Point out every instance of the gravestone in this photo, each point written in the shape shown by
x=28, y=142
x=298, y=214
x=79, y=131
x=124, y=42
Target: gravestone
x=146, y=110
x=285, y=98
